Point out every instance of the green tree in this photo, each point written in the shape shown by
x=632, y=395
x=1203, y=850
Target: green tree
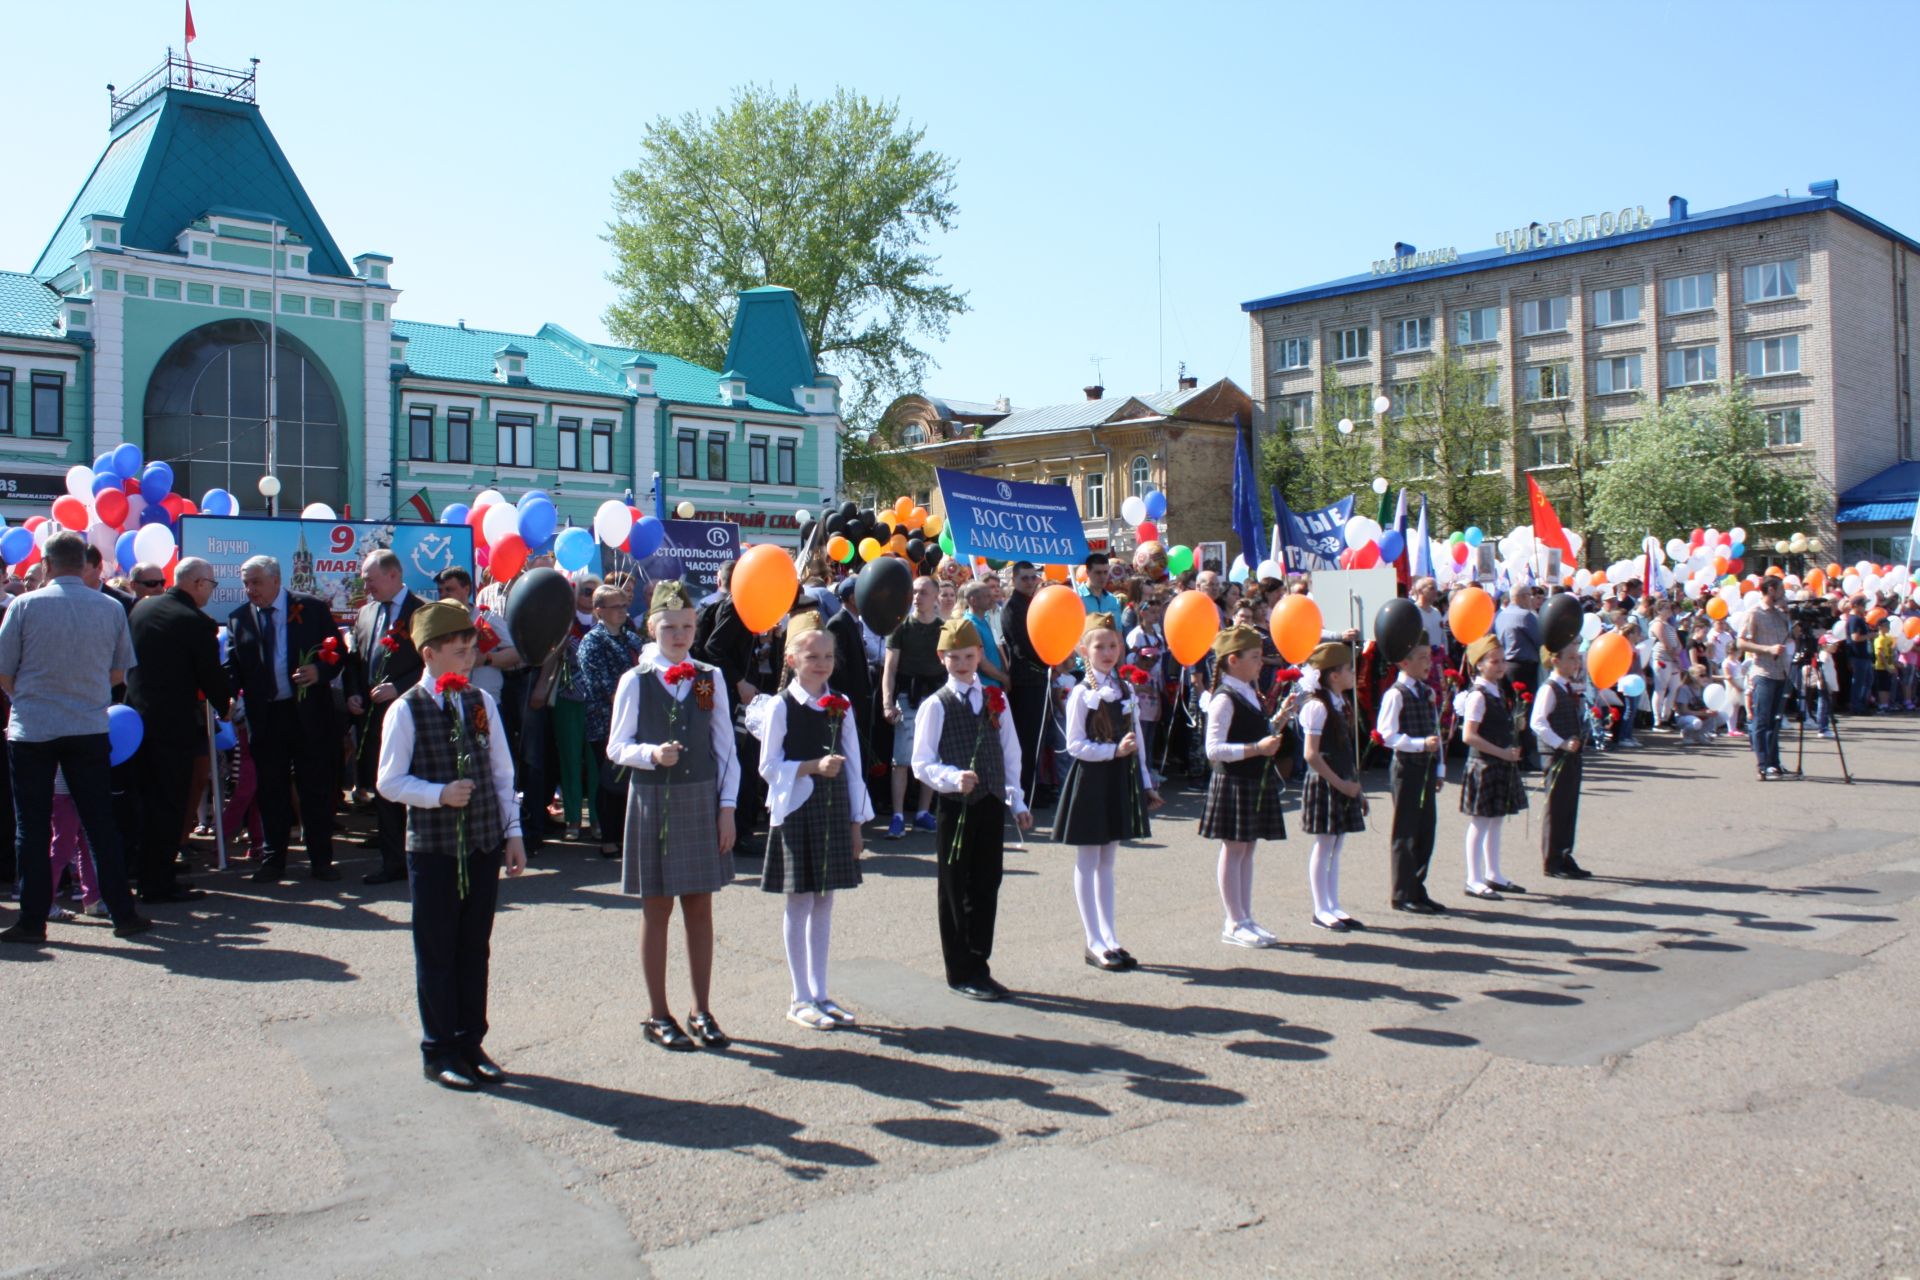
x=1695, y=461
x=835, y=200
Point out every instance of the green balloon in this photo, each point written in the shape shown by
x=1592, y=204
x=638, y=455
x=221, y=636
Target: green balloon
x=946, y=541
x=1179, y=560
x=1456, y=538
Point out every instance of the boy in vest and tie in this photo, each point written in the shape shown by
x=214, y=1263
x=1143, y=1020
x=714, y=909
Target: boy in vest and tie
x=964, y=747
x=1409, y=726
x=1557, y=714
x=442, y=755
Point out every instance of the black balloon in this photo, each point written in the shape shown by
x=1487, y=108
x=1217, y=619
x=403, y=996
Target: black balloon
x=868, y=518
x=837, y=524
x=1560, y=620
x=931, y=559
x=539, y=612
x=848, y=510
x=1397, y=628
x=916, y=548
x=883, y=594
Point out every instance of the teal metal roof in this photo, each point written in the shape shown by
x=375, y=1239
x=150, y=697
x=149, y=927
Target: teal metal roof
x=684, y=382
x=769, y=343
x=28, y=309
x=178, y=156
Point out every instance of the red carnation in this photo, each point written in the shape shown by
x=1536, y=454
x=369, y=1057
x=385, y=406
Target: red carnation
x=996, y=700
x=1133, y=675
x=678, y=672
x=1287, y=675
x=390, y=642
x=1452, y=673
x=452, y=682
x=834, y=705
x=1520, y=686
x=329, y=651
x=1375, y=738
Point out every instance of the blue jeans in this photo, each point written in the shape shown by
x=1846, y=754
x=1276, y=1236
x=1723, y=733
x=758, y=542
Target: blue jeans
x=84, y=758
x=1860, y=692
x=1769, y=696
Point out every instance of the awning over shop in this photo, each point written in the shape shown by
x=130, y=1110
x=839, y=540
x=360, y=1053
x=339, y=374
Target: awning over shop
x=1888, y=496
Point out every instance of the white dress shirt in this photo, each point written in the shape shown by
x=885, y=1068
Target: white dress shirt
x=1474, y=709
x=931, y=721
x=396, y=757
x=1313, y=714
x=1388, y=725
x=624, y=748
x=787, y=788
x=1220, y=718
x=1551, y=691
x=1093, y=691
x=872, y=643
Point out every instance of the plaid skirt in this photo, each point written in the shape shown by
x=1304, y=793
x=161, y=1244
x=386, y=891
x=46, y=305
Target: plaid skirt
x=1243, y=809
x=688, y=860
x=811, y=851
x=1101, y=802
x=1492, y=789
x=1325, y=812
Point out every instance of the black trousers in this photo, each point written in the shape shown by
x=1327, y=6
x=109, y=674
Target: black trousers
x=1563, y=809
x=286, y=757
x=1415, y=810
x=452, y=940
x=1029, y=703
x=390, y=819
x=613, y=795
x=83, y=758
x=969, y=883
x=165, y=771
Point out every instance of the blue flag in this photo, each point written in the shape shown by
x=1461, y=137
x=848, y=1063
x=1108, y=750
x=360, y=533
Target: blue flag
x=1313, y=539
x=1246, y=498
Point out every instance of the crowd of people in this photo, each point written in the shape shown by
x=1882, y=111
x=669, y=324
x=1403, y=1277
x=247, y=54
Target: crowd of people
x=665, y=732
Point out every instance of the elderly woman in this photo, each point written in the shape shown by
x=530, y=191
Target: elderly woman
x=607, y=652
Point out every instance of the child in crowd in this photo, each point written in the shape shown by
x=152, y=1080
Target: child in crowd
x=1334, y=806
x=70, y=850
x=1409, y=726
x=1492, y=789
x=1108, y=790
x=816, y=802
x=1884, y=655
x=671, y=727
x=1146, y=649
x=1243, y=794
x=443, y=756
x=1556, y=726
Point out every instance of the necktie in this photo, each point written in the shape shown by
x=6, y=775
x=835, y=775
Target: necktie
x=266, y=636
x=380, y=625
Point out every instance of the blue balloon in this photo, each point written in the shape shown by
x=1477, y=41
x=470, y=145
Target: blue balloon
x=573, y=549
x=646, y=537
x=103, y=465
x=156, y=482
x=224, y=738
x=537, y=521
x=1736, y=550
x=1473, y=535
x=1392, y=543
x=103, y=483
x=16, y=545
x=155, y=514
x=124, y=732
x=455, y=513
x=218, y=502
x=127, y=460
x=529, y=496
x=123, y=551
x=1156, y=505
x=1632, y=686
x=1239, y=572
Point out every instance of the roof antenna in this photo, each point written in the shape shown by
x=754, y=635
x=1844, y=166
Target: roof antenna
x=1096, y=362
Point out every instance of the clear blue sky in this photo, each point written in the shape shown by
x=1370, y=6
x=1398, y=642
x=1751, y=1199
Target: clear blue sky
x=1274, y=145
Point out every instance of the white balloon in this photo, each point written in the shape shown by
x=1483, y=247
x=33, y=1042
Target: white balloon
x=103, y=536
x=269, y=486
x=1268, y=569
x=318, y=511
x=80, y=482
x=1379, y=484
x=1676, y=550
x=487, y=498
x=1134, y=509
x=1739, y=534
x=1381, y=404
x=1590, y=626
x=135, y=505
x=1345, y=426
x=612, y=522
x=1850, y=584
x=684, y=510
x=1360, y=531
x=154, y=544
x=1715, y=696
x=1575, y=541
x=501, y=519
x=803, y=517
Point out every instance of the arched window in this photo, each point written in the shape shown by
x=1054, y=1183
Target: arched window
x=206, y=417
x=1142, y=474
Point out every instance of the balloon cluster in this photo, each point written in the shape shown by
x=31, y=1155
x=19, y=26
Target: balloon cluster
x=1151, y=555
x=506, y=534
x=905, y=531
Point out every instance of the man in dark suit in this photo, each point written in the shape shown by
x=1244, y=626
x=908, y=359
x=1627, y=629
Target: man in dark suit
x=385, y=665
x=94, y=576
x=274, y=656
x=178, y=646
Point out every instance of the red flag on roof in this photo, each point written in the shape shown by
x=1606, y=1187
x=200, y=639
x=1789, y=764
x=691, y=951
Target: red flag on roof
x=188, y=43
x=1546, y=525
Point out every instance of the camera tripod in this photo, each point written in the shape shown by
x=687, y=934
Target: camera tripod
x=1833, y=723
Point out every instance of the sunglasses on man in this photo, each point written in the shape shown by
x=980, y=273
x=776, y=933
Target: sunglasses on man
x=150, y=583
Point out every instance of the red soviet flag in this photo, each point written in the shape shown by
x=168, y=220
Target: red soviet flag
x=1546, y=525
x=188, y=43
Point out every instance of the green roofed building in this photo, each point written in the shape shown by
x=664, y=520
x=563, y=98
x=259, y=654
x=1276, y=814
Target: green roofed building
x=192, y=275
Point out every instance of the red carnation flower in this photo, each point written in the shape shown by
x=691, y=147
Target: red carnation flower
x=1287, y=675
x=1452, y=673
x=329, y=651
x=1133, y=675
x=678, y=672
x=1376, y=739
x=1520, y=686
x=452, y=682
x=390, y=642
x=834, y=705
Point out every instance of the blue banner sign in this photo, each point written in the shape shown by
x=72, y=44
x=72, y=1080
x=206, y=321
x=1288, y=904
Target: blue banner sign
x=1011, y=520
x=1311, y=539
x=692, y=552
x=321, y=557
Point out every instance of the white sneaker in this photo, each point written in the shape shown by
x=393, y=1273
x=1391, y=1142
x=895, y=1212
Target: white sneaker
x=1242, y=935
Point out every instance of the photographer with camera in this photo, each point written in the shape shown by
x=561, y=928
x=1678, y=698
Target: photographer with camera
x=1764, y=635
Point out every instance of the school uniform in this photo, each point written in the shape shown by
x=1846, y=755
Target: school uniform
x=954, y=731
x=810, y=847
x=1103, y=799
x=1243, y=793
x=1492, y=788
x=1408, y=717
x=1557, y=711
x=672, y=844
x=1323, y=810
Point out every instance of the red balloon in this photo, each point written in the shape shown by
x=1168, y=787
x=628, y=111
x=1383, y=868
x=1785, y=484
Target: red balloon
x=509, y=554
x=1367, y=556
x=1147, y=531
x=1345, y=559
x=1726, y=539
x=70, y=512
x=174, y=505
x=34, y=522
x=1460, y=552
x=1697, y=537
x=475, y=518
x=1736, y=564
x=111, y=506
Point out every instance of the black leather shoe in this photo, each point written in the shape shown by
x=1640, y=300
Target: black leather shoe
x=707, y=1032
x=483, y=1068
x=1108, y=960
x=450, y=1073
x=1570, y=871
x=383, y=877
x=1505, y=886
x=24, y=934
x=1126, y=958
x=977, y=990
x=666, y=1033
x=1416, y=908
x=1000, y=990
x=130, y=926
x=1352, y=923
x=177, y=893
x=1438, y=908
x=324, y=873
x=269, y=873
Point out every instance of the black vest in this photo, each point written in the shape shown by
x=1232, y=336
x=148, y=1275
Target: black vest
x=1336, y=738
x=1564, y=719
x=1248, y=725
x=1418, y=718
x=968, y=741
x=1497, y=727
x=436, y=758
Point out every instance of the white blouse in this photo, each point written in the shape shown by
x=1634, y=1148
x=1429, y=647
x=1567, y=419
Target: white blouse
x=1474, y=710
x=1220, y=718
x=624, y=748
x=787, y=788
x=1313, y=714
x=1093, y=691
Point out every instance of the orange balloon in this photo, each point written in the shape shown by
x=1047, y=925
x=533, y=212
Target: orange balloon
x=1717, y=608
x=764, y=586
x=1913, y=628
x=902, y=505
x=1609, y=657
x=1720, y=564
x=1470, y=615
x=1835, y=571
x=837, y=548
x=1296, y=627
x=1054, y=573
x=1816, y=581
x=509, y=554
x=917, y=518
x=1054, y=622
x=898, y=544
x=1876, y=616
x=1192, y=621
x=934, y=524
x=1599, y=578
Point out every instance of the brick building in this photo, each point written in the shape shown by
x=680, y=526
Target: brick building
x=1571, y=323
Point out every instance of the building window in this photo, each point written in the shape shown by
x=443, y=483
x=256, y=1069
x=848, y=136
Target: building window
x=689, y=456
x=6, y=402
x=1479, y=324
x=1616, y=306
x=1350, y=344
x=459, y=435
x=757, y=460
x=1691, y=365
x=1770, y=280
x=420, y=433
x=1292, y=353
x=1294, y=413
x=1481, y=459
x=788, y=457
x=1422, y=462
x=716, y=456
x=569, y=444
x=513, y=439
x=1543, y=315
x=603, y=445
x=1615, y=374
x=1411, y=399
x=1415, y=334
x=1139, y=476
x=1059, y=480
x=1096, y=490
x=1601, y=437
x=49, y=403
x=1783, y=428
x=1690, y=293
x=1550, y=448
x=1355, y=402
x=1489, y=383
x=1549, y=382
x=1768, y=357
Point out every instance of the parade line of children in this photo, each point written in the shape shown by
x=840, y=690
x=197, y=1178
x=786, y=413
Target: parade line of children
x=671, y=734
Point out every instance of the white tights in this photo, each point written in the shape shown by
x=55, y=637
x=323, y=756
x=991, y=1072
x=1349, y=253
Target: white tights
x=806, y=930
x=1236, y=881
x=1323, y=877
x=1483, y=851
x=1093, y=887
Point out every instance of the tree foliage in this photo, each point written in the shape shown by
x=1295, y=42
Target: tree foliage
x=835, y=200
